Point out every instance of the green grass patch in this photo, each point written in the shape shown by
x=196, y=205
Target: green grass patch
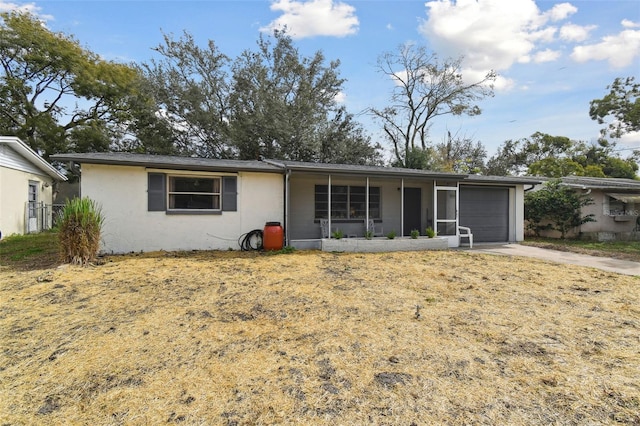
x=32, y=251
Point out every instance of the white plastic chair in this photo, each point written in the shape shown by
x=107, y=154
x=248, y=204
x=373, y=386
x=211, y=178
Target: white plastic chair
x=324, y=228
x=464, y=232
x=376, y=231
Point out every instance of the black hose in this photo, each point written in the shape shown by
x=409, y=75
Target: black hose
x=252, y=240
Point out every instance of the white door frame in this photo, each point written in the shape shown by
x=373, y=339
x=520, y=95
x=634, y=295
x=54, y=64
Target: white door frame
x=454, y=240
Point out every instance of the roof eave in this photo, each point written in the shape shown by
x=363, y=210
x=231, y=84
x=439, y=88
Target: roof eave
x=165, y=165
x=24, y=150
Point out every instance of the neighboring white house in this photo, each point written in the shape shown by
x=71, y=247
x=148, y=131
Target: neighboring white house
x=615, y=206
x=180, y=203
x=26, y=188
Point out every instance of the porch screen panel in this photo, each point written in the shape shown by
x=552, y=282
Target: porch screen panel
x=347, y=202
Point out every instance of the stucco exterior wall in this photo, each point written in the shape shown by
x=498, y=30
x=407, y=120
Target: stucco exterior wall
x=14, y=194
x=604, y=221
x=129, y=227
x=516, y=213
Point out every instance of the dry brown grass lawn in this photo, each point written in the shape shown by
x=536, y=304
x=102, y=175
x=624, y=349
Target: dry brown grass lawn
x=228, y=338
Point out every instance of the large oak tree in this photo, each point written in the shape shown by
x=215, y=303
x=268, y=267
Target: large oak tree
x=56, y=95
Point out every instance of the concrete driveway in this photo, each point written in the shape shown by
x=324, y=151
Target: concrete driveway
x=626, y=267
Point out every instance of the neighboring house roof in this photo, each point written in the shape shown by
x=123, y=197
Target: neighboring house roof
x=30, y=155
x=607, y=184
x=167, y=162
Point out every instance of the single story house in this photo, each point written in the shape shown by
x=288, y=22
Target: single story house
x=26, y=188
x=178, y=203
x=615, y=208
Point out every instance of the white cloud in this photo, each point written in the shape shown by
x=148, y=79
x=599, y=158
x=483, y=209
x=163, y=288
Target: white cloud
x=572, y=32
x=31, y=8
x=340, y=97
x=314, y=18
x=492, y=34
x=546, y=55
x=560, y=11
x=629, y=24
x=631, y=139
x=619, y=50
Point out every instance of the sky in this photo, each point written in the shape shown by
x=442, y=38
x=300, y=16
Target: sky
x=552, y=57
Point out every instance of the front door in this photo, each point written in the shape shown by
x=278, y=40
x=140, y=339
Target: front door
x=412, y=209
x=32, y=208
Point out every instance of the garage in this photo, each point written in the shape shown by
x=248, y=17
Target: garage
x=485, y=209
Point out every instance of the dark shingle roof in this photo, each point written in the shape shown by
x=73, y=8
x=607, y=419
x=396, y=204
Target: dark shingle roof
x=276, y=166
x=513, y=180
x=167, y=162
x=360, y=169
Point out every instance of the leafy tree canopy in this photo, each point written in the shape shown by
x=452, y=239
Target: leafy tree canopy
x=621, y=104
x=56, y=95
x=270, y=102
x=558, y=156
x=556, y=207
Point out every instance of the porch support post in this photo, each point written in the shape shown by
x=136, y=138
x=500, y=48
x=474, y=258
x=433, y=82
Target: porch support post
x=402, y=207
x=329, y=204
x=366, y=209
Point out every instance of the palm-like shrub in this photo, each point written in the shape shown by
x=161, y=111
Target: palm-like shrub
x=79, y=231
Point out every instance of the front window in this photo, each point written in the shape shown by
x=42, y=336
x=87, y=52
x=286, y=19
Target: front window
x=347, y=202
x=194, y=193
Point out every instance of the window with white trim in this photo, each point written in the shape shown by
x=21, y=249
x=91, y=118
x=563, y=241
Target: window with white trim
x=194, y=193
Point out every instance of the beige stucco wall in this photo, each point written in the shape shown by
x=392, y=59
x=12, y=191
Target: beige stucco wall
x=14, y=194
x=604, y=222
x=122, y=193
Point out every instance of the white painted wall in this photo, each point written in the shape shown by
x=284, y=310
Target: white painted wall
x=516, y=213
x=14, y=194
x=129, y=227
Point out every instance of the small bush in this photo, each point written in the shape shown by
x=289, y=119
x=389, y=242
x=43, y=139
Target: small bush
x=429, y=232
x=391, y=235
x=415, y=234
x=79, y=231
x=338, y=234
x=368, y=235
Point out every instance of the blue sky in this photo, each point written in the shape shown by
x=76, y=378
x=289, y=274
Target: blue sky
x=552, y=57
